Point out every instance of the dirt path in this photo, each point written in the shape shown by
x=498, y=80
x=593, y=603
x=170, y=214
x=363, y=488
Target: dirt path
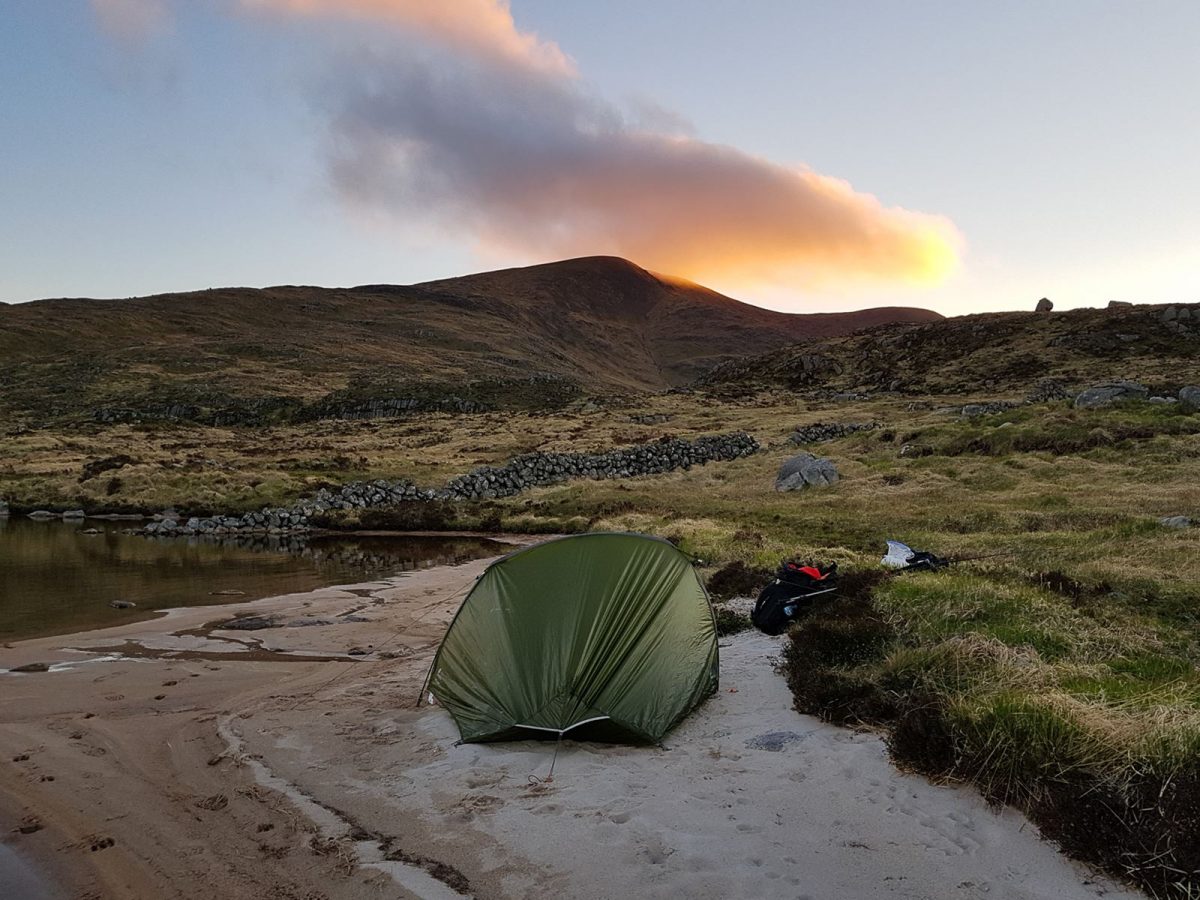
x=223, y=764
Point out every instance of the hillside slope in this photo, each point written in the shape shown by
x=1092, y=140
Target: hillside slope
x=1158, y=345
x=523, y=336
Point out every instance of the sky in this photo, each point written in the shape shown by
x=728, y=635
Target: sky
x=806, y=156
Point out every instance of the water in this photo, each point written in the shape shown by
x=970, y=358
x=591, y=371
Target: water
x=20, y=880
x=55, y=579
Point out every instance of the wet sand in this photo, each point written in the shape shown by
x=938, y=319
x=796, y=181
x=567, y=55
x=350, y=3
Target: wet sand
x=239, y=765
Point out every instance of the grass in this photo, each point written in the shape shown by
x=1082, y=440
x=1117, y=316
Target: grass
x=1061, y=679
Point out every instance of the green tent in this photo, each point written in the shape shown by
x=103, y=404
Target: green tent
x=600, y=636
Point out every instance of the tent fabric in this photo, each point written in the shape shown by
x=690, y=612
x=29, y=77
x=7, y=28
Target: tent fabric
x=601, y=636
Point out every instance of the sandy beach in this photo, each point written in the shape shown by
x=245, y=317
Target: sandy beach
x=168, y=759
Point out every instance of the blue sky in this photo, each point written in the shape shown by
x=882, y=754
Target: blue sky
x=1055, y=144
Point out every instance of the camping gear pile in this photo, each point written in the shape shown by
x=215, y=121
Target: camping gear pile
x=794, y=590
x=904, y=558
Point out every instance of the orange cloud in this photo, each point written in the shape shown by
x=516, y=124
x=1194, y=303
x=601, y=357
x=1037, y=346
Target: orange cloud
x=500, y=141
x=482, y=28
x=541, y=168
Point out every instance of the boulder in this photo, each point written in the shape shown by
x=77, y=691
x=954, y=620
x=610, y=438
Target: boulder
x=73, y=514
x=42, y=515
x=1190, y=396
x=1113, y=304
x=1175, y=522
x=1044, y=305
x=32, y=667
x=1101, y=395
x=3, y=510
x=805, y=470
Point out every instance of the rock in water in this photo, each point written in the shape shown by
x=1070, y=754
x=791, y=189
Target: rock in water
x=31, y=667
x=122, y=604
x=1101, y=395
x=3, y=510
x=1044, y=305
x=805, y=470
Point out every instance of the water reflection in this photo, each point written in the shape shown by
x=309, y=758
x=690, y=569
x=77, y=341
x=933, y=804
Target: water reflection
x=56, y=577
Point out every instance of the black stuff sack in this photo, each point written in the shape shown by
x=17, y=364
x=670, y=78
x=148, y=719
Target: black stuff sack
x=794, y=590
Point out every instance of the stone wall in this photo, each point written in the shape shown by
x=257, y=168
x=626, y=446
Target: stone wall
x=484, y=483
x=828, y=431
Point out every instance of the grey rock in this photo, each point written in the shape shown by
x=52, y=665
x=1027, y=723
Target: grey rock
x=1170, y=314
x=1044, y=305
x=1175, y=522
x=3, y=510
x=122, y=604
x=73, y=514
x=1162, y=400
x=1190, y=396
x=1113, y=304
x=1101, y=395
x=32, y=667
x=42, y=515
x=805, y=470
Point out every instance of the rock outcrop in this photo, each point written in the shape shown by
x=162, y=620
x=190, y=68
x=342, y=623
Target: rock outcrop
x=805, y=470
x=1044, y=305
x=1101, y=395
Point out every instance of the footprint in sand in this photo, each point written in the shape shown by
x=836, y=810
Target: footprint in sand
x=213, y=803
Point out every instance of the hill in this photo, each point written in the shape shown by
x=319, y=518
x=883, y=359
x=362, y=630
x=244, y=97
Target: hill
x=1159, y=345
x=526, y=337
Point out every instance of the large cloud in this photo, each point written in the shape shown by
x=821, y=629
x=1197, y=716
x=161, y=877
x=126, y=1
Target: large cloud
x=492, y=134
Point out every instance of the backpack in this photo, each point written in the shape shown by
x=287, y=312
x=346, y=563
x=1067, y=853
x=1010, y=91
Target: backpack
x=795, y=589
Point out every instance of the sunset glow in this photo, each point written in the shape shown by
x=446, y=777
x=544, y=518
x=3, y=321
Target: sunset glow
x=799, y=156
